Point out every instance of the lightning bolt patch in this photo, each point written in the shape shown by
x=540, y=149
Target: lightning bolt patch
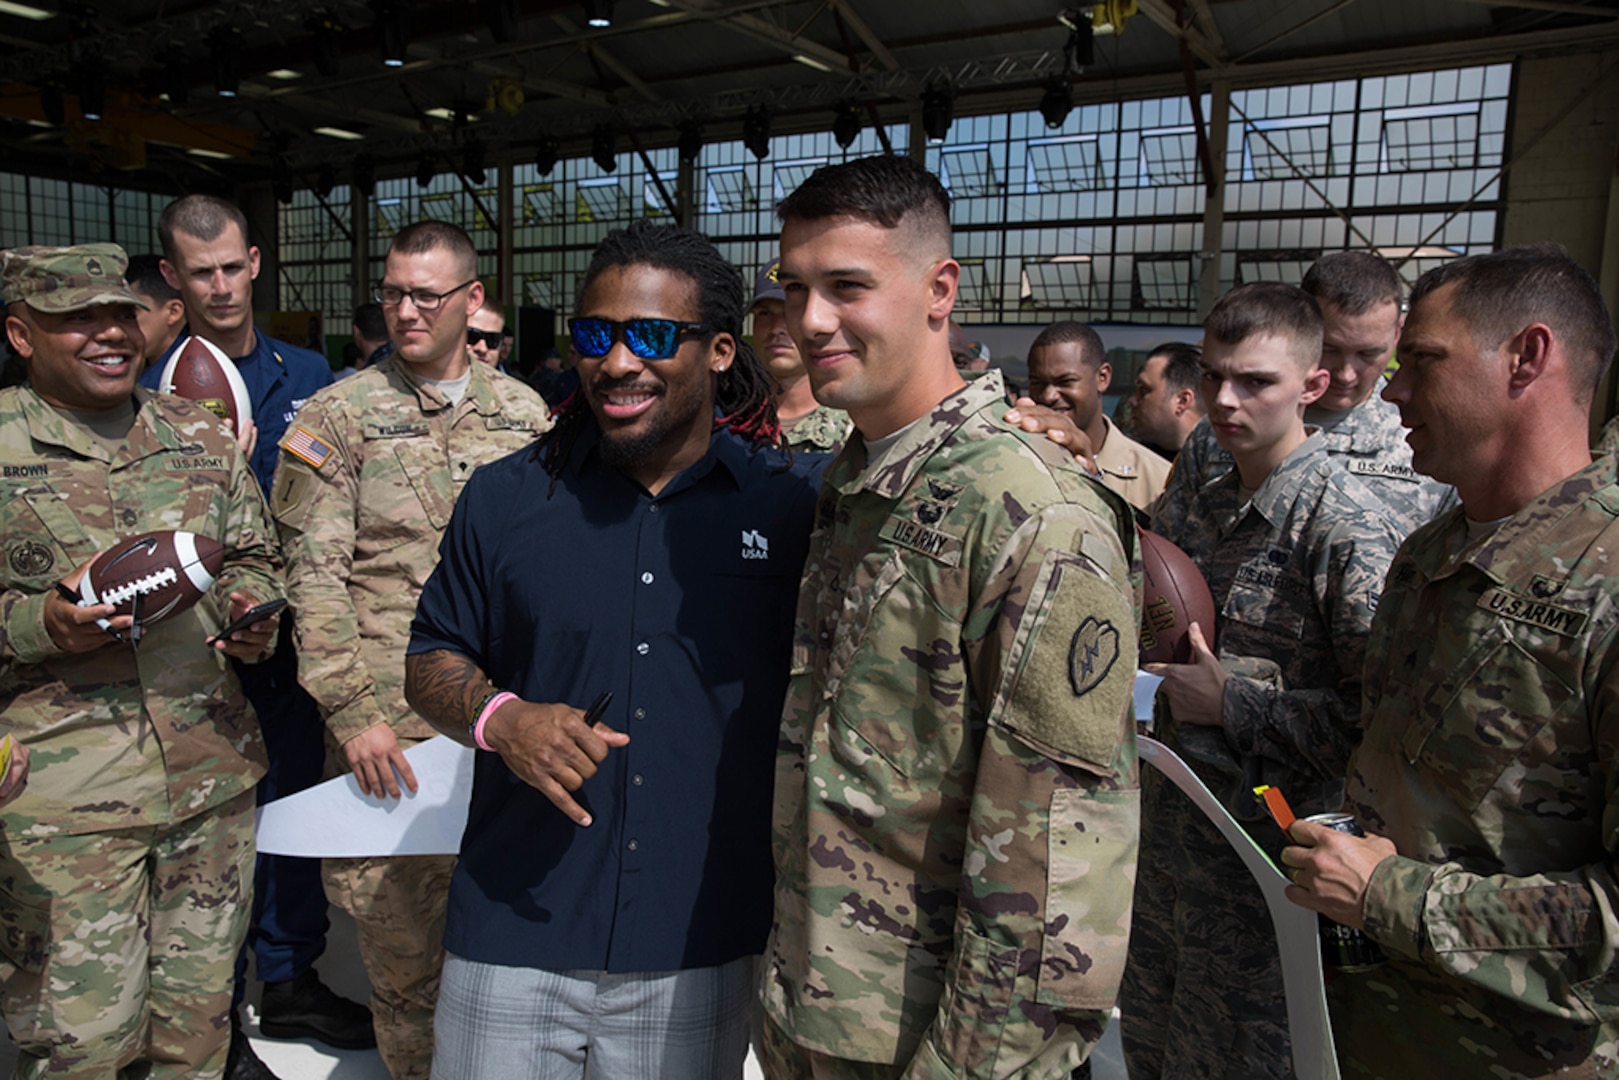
x=1092, y=654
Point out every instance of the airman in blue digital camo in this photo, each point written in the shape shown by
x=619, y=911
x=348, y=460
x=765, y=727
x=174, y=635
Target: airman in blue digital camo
x=1359, y=295
x=1486, y=782
x=1293, y=548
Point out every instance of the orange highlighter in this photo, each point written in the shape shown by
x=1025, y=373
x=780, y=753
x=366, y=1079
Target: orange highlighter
x=1280, y=812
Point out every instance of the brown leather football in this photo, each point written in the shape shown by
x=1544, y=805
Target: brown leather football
x=169, y=571
x=200, y=371
x=1174, y=596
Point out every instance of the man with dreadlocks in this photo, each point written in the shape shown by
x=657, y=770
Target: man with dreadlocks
x=614, y=881
x=956, y=796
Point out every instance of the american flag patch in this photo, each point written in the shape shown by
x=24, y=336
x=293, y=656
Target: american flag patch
x=302, y=444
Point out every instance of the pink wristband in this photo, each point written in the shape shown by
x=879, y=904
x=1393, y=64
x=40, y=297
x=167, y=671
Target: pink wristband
x=483, y=718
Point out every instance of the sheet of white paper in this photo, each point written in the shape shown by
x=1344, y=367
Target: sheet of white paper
x=1146, y=689
x=1314, y=1057
x=335, y=820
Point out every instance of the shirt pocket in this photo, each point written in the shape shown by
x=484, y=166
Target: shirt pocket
x=1256, y=614
x=428, y=471
x=1484, y=716
x=42, y=539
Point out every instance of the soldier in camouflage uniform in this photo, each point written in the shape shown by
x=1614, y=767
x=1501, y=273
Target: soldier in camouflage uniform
x=1293, y=549
x=126, y=867
x=1359, y=295
x=1486, y=780
x=369, y=474
x=956, y=796
x=807, y=426
x=1609, y=440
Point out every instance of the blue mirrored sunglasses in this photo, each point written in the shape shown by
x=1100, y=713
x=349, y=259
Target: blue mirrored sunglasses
x=649, y=339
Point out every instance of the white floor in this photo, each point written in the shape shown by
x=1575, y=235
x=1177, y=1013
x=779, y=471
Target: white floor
x=341, y=968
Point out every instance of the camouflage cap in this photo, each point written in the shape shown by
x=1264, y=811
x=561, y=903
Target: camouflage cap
x=56, y=280
x=767, y=284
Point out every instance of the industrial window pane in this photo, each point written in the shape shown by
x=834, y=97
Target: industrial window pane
x=441, y=206
x=600, y=200
x=1062, y=282
x=1276, y=152
x=1285, y=266
x=1059, y=165
x=538, y=290
x=653, y=199
x=1164, y=282
x=1169, y=157
x=1415, y=143
x=728, y=189
x=539, y=204
x=966, y=171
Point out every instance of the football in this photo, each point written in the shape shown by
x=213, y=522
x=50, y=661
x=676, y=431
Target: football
x=1173, y=597
x=169, y=571
x=200, y=370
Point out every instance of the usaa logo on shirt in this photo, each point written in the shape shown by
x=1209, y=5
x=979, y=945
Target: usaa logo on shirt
x=755, y=545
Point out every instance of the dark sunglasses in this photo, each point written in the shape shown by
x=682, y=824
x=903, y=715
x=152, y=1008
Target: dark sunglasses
x=490, y=338
x=649, y=339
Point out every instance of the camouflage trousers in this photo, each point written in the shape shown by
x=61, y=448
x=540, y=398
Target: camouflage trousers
x=784, y=1059
x=118, y=947
x=398, y=908
x=1202, y=991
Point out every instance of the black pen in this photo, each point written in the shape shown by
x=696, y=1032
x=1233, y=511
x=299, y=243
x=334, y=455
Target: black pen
x=597, y=707
x=75, y=599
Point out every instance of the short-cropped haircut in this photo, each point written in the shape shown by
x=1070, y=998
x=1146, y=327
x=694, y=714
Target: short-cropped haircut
x=1268, y=307
x=1182, y=365
x=425, y=236
x=1500, y=293
x=885, y=189
x=1091, y=351
x=202, y=216
x=1353, y=282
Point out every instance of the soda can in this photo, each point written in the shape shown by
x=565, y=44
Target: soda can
x=1344, y=947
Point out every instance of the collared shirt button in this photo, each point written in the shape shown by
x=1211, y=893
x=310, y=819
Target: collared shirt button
x=637, y=780
x=640, y=714
x=646, y=578
x=643, y=648
x=634, y=845
x=653, y=509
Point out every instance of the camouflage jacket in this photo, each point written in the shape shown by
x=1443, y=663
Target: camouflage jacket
x=819, y=431
x=1372, y=446
x=1491, y=759
x=1608, y=442
x=957, y=790
x=1295, y=574
x=1129, y=468
x=370, y=471
x=125, y=736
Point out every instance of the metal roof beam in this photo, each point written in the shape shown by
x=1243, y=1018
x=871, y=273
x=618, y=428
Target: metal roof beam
x=763, y=30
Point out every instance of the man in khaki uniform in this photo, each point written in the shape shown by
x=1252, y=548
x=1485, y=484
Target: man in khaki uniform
x=1068, y=373
x=125, y=867
x=369, y=473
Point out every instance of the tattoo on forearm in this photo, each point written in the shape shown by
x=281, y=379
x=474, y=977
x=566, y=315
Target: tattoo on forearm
x=443, y=687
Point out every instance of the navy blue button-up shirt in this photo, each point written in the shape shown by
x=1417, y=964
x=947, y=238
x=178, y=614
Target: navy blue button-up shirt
x=279, y=377
x=681, y=604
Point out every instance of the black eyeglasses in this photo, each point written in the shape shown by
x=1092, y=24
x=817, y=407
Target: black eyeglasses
x=649, y=339
x=490, y=338
x=424, y=299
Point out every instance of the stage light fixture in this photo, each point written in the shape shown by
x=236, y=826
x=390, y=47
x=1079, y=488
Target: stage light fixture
x=425, y=170
x=691, y=140
x=1057, y=103
x=547, y=154
x=325, y=179
x=328, y=57
x=846, y=124
x=92, y=89
x=599, y=13
x=501, y=15
x=938, y=111
x=602, y=148
x=392, y=33
x=756, y=131
x=281, y=181
x=177, y=83
x=365, y=175
x=227, y=64
x=472, y=158
x=50, y=103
